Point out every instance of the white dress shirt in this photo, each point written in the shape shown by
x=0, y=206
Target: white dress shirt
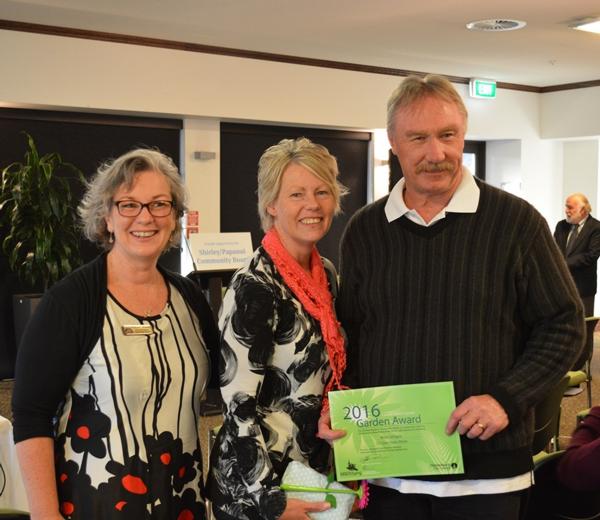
x=464, y=200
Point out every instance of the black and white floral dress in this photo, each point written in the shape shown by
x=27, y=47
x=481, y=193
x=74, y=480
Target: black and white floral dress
x=127, y=434
x=274, y=367
x=122, y=408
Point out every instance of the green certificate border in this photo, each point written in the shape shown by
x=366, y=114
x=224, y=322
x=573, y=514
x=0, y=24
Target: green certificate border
x=395, y=431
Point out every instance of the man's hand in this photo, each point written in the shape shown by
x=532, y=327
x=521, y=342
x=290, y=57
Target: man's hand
x=325, y=432
x=479, y=416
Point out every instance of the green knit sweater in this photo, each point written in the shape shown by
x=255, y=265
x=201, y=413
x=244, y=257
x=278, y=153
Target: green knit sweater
x=482, y=299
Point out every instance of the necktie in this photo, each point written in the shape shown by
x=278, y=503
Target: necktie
x=572, y=237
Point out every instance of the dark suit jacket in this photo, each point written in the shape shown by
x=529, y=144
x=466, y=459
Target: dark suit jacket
x=583, y=258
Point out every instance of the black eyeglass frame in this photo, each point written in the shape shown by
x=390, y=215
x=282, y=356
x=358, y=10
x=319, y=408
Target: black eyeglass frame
x=147, y=205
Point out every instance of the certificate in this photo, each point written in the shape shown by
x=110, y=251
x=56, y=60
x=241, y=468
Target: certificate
x=394, y=431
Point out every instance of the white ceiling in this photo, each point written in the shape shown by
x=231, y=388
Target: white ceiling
x=426, y=35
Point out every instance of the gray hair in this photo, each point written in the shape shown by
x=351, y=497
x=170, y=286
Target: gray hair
x=110, y=176
x=302, y=151
x=584, y=201
x=414, y=88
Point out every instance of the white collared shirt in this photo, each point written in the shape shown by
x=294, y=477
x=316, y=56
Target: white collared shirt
x=464, y=200
x=579, y=228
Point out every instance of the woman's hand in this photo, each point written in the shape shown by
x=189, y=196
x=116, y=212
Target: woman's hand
x=325, y=432
x=298, y=509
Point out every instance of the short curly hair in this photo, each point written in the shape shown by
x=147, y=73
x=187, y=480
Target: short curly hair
x=275, y=160
x=110, y=176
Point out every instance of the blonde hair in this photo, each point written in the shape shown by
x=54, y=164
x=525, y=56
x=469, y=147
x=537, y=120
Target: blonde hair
x=275, y=160
x=415, y=88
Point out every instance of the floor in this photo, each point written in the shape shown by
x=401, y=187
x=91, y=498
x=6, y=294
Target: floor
x=572, y=405
x=5, y=394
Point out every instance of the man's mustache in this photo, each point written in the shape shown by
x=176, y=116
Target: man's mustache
x=436, y=167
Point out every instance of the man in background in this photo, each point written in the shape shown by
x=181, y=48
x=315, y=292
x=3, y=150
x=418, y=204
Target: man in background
x=578, y=237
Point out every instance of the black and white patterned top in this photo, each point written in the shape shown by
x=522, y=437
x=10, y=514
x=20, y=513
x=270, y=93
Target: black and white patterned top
x=122, y=409
x=274, y=367
x=127, y=434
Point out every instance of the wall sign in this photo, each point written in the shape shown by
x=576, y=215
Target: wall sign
x=220, y=251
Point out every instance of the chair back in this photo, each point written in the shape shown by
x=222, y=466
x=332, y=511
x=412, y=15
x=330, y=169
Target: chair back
x=585, y=357
x=547, y=416
x=550, y=500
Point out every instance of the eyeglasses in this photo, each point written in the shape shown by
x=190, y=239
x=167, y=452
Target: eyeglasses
x=132, y=208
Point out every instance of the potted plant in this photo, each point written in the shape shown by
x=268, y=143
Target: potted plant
x=38, y=218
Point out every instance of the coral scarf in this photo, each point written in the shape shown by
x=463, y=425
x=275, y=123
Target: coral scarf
x=314, y=295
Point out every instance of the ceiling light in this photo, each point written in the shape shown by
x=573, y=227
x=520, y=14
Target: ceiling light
x=496, y=25
x=589, y=24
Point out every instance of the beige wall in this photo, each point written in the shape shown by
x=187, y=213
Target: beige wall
x=71, y=74
x=580, y=170
x=570, y=113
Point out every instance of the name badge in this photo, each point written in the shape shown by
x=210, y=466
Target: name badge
x=136, y=330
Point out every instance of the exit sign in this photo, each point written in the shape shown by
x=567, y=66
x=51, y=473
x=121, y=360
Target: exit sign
x=482, y=88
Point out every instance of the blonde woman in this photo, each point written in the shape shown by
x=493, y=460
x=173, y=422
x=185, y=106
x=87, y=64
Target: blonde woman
x=281, y=346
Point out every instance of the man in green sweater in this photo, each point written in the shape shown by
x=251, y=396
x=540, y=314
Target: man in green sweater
x=450, y=279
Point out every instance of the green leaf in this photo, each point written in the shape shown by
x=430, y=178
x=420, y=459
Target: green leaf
x=65, y=265
x=38, y=217
x=331, y=500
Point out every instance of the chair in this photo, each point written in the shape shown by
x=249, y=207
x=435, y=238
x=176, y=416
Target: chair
x=581, y=415
x=550, y=500
x=13, y=498
x=212, y=437
x=583, y=372
x=13, y=514
x=547, y=418
x=212, y=403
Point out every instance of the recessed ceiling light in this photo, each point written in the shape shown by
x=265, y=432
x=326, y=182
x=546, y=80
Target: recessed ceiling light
x=496, y=25
x=589, y=24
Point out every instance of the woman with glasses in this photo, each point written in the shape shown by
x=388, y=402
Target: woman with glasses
x=113, y=364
